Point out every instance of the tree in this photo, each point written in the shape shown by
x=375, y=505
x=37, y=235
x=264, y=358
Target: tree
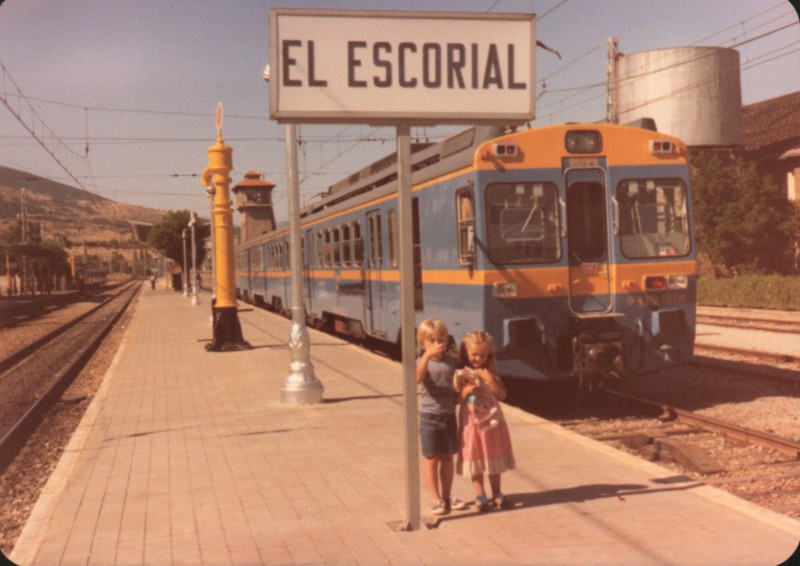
x=167, y=237
x=742, y=220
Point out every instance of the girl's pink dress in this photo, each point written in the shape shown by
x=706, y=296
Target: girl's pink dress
x=483, y=451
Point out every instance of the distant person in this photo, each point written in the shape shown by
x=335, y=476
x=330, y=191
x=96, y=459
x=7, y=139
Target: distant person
x=153, y=282
x=438, y=429
x=483, y=449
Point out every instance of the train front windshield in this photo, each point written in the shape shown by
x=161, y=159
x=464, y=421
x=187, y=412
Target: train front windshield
x=522, y=222
x=653, y=218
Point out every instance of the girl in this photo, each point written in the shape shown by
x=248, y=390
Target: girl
x=484, y=449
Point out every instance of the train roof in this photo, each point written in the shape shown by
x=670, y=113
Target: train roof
x=450, y=154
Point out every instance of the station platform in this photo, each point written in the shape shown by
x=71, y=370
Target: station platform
x=189, y=457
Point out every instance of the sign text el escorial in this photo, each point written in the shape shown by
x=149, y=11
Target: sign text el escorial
x=390, y=67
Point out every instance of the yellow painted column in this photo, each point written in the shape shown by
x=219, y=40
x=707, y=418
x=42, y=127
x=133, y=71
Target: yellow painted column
x=227, y=330
x=220, y=163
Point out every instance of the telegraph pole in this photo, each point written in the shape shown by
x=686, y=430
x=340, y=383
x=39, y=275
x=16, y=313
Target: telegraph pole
x=612, y=95
x=227, y=329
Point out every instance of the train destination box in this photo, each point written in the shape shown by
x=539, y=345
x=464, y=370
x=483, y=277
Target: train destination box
x=382, y=67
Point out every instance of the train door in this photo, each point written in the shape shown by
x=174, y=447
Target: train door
x=587, y=241
x=374, y=271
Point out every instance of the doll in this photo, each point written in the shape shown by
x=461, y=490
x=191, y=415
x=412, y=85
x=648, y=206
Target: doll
x=478, y=398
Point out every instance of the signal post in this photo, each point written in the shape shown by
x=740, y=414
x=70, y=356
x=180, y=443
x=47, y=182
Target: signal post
x=226, y=326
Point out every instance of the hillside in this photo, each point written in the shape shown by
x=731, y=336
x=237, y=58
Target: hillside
x=67, y=212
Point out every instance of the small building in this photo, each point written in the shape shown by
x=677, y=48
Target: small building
x=254, y=203
x=772, y=140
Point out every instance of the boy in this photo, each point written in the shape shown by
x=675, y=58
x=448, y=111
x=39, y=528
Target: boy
x=437, y=427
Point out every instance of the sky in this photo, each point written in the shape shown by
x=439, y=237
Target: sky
x=119, y=97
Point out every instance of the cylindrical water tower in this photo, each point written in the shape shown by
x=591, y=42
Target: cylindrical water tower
x=693, y=93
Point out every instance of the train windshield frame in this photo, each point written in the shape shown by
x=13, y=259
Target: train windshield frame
x=522, y=224
x=653, y=218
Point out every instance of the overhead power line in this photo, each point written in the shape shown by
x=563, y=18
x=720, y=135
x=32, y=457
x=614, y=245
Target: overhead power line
x=31, y=126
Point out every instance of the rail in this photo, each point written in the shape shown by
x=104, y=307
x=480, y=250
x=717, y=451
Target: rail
x=18, y=433
x=783, y=445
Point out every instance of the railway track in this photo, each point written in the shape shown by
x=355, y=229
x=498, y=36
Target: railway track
x=710, y=424
x=765, y=322
x=729, y=429
x=34, y=377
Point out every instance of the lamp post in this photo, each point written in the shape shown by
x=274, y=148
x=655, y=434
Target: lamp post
x=195, y=300
x=185, y=268
x=227, y=330
x=301, y=387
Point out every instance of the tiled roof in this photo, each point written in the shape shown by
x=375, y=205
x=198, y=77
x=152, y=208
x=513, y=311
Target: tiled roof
x=771, y=122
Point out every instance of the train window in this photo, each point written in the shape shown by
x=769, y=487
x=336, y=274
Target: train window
x=320, y=250
x=358, y=244
x=346, y=244
x=465, y=209
x=375, y=241
x=337, y=247
x=652, y=218
x=393, y=238
x=522, y=223
x=586, y=219
x=328, y=254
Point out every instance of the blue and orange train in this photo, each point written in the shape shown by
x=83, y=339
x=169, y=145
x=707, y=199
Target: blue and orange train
x=571, y=245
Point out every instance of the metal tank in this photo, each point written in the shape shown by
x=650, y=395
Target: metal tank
x=693, y=93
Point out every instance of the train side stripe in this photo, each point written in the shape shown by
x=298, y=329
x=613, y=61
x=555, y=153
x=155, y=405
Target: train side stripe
x=531, y=282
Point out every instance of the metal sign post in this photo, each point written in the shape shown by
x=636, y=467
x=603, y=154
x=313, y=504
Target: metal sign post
x=398, y=69
x=407, y=330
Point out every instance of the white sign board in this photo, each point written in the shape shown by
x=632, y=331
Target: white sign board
x=333, y=66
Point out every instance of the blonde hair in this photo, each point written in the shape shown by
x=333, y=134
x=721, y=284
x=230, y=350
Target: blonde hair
x=432, y=327
x=482, y=340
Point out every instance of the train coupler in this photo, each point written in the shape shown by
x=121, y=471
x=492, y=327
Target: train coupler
x=598, y=354
x=668, y=353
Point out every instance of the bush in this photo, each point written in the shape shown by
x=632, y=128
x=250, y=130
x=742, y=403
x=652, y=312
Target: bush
x=750, y=291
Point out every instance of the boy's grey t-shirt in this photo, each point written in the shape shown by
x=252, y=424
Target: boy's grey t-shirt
x=437, y=388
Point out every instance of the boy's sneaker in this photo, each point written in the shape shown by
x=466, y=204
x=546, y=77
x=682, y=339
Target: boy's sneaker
x=502, y=502
x=439, y=508
x=456, y=503
x=483, y=504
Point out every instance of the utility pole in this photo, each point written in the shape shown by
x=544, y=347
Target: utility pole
x=195, y=300
x=612, y=89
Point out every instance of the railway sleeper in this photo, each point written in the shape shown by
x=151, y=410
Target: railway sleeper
x=663, y=449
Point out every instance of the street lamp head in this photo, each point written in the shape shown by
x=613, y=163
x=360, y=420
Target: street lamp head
x=265, y=73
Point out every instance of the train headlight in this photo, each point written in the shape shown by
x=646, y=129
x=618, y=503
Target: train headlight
x=678, y=282
x=504, y=289
x=583, y=141
x=505, y=150
x=661, y=147
x=662, y=282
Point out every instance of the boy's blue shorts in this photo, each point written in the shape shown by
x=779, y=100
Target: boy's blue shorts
x=438, y=434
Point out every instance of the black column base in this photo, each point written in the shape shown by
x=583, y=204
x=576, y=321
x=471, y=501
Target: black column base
x=227, y=331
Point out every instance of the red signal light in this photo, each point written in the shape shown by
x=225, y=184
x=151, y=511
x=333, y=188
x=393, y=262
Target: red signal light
x=655, y=282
